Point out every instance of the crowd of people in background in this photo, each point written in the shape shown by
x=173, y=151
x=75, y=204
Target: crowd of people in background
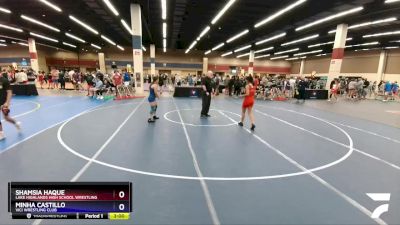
x=276, y=87
x=281, y=87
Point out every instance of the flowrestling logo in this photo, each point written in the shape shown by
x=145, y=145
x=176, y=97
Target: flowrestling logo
x=380, y=197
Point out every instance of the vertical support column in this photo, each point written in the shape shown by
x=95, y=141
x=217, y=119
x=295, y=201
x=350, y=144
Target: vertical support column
x=152, y=60
x=33, y=54
x=301, y=72
x=337, y=53
x=102, y=63
x=251, y=63
x=136, y=22
x=205, y=65
x=382, y=66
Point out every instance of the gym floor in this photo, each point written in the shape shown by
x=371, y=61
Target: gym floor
x=306, y=163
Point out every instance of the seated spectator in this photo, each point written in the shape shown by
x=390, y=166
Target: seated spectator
x=97, y=89
x=21, y=77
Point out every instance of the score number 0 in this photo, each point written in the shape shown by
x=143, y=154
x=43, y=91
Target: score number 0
x=121, y=195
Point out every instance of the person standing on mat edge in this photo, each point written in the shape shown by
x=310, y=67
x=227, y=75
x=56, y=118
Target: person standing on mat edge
x=301, y=86
x=5, y=99
x=206, y=98
x=248, y=102
x=153, y=88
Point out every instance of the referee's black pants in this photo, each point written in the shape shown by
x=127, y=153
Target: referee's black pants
x=206, y=102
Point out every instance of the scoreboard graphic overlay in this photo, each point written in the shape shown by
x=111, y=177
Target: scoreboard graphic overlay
x=70, y=200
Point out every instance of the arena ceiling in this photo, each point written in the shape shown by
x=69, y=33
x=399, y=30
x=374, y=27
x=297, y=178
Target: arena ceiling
x=192, y=24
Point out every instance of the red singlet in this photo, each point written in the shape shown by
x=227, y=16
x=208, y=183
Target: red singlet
x=117, y=79
x=249, y=100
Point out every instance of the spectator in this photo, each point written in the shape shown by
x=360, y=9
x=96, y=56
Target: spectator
x=96, y=90
x=365, y=88
x=395, y=90
x=21, y=77
x=41, y=78
x=352, y=88
x=61, y=79
x=388, y=90
x=54, y=76
x=301, y=86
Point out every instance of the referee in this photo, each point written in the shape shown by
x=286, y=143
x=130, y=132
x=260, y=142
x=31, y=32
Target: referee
x=206, y=98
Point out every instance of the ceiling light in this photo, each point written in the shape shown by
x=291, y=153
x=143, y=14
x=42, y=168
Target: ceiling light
x=284, y=52
x=242, y=48
x=321, y=44
x=382, y=34
x=330, y=18
x=392, y=47
x=164, y=30
x=226, y=54
x=324, y=54
x=326, y=43
x=262, y=56
x=144, y=48
x=164, y=9
x=39, y=23
x=192, y=45
x=164, y=43
x=237, y=36
x=218, y=46
x=68, y=44
x=373, y=23
x=279, y=13
x=2, y=44
x=264, y=50
x=165, y=50
x=241, y=56
x=391, y=1
x=365, y=49
x=292, y=59
x=301, y=40
x=95, y=46
x=23, y=44
x=11, y=28
x=187, y=51
x=126, y=26
x=223, y=10
x=83, y=24
x=390, y=42
x=204, y=32
x=4, y=10
x=280, y=57
x=2, y=40
x=367, y=24
x=271, y=38
x=365, y=44
x=120, y=47
x=75, y=37
x=307, y=53
x=51, y=5
x=108, y=40
x=43, y=37
x=111, y=7
x=207, y=52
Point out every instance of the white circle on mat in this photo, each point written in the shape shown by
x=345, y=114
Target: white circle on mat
x=167, y=117
x=171, y=176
